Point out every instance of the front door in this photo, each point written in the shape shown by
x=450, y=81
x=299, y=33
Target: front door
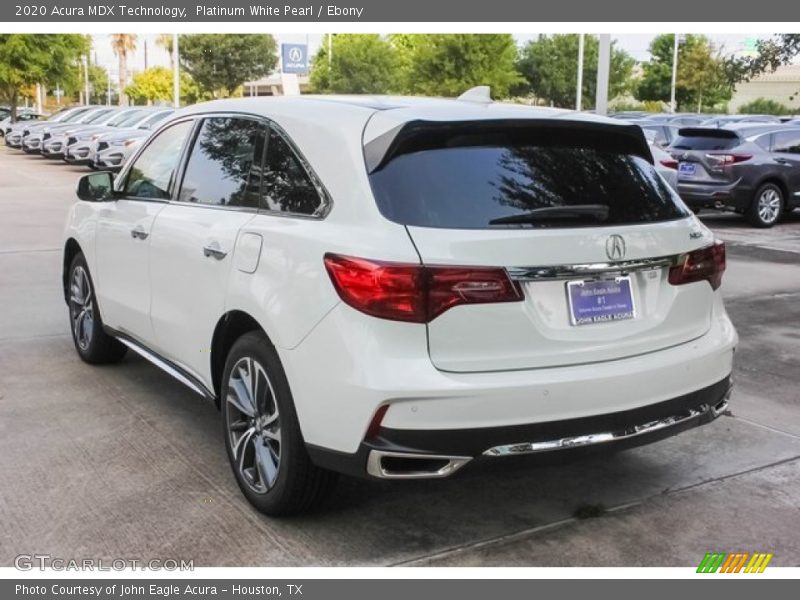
x=124, y=229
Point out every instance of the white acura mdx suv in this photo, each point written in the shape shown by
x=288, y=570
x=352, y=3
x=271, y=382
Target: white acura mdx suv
x=394, y=287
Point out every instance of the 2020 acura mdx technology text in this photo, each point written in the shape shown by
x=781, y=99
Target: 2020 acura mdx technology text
x=394, y=287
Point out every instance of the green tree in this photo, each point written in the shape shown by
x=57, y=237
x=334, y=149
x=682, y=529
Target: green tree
x=704, y=75
x=155, y=85
x=549, y=65
x=220, y=63
x=450, y=64
x=28, y=59
x=98, y=81
x=764, y=106
x=359, y=64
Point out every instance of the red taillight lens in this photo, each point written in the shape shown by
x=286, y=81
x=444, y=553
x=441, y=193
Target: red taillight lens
x=670, y=163
x=415, y=293
x=723, y=160
x=705, y=264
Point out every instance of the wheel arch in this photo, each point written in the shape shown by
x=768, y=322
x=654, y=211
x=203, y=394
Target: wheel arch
x=71, y=249
x=230, y=327
x=775, y=180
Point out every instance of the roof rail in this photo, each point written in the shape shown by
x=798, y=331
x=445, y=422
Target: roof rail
x=481, y=94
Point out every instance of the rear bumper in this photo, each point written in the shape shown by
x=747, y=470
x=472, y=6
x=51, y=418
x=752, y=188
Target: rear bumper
x=426, y=454
x=355, y=374
x=734, y=196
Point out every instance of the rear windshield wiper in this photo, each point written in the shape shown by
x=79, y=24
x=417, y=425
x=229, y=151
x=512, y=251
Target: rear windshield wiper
x=597, y=212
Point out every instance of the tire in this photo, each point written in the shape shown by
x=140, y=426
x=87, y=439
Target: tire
x=264, y=444
x=767, y=206
x=93, y=345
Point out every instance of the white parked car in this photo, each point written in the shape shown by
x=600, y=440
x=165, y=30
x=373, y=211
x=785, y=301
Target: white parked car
x=394, y=287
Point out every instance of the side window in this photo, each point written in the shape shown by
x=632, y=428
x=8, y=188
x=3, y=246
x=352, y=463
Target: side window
x=224, y=167
x=287, y=185
x=788, y=142
x=154, y=170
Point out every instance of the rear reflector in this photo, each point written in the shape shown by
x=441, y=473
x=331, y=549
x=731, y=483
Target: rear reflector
x=413, y=292
x=705, y=264
x=374, y=427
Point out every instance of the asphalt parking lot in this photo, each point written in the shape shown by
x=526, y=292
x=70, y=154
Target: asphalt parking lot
x=125, y=462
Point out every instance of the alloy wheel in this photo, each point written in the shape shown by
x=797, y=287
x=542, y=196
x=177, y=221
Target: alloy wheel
x=769, y=205
x=254, y=426
x=81, y=307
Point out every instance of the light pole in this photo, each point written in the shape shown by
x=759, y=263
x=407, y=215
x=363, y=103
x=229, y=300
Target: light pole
x=579, y=92
x=176, y=73
x=86, y=79
x=603, y=68
x=674, y=73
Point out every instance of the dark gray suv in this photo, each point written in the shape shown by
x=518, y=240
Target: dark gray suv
x=753, y=170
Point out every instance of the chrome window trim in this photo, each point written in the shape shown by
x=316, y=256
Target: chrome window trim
x=327, y=201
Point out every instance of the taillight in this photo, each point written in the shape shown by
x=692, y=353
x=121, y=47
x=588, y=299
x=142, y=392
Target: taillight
x=723, y=160
x=413, y=292
x=670, y=163
x=705, y=264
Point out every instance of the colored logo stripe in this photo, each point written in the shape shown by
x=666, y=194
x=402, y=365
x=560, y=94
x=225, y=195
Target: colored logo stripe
x=734, y=562
x=758, y=563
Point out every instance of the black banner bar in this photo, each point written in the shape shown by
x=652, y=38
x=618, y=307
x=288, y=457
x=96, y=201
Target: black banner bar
x=440, y=11
x=733, y=587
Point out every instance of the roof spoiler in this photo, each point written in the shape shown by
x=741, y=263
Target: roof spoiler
x=709, y=132
x=419, y=135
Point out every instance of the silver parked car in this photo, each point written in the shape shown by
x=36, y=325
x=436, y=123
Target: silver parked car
x=110, y=150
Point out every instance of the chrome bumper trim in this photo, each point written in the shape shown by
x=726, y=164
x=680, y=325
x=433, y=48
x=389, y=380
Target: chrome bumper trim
x=592, y=439
x=375, y=466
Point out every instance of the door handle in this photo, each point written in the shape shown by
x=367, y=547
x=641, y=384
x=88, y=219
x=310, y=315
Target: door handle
x=213, y=250
x=138, y=232
x=783, y=161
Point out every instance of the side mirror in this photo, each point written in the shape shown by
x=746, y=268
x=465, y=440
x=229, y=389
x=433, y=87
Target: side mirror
x=96, y=187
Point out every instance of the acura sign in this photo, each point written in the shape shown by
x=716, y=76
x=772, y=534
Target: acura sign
x=294, y=58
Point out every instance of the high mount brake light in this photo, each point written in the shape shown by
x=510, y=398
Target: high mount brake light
x=705, y=264
x=416, y=293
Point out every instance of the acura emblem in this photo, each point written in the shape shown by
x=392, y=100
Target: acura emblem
x=615, y=247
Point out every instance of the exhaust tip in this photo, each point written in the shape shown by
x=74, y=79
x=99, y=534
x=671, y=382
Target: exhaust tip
x=403, y=465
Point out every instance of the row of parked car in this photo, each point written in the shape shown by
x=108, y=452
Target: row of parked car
x=749, y=164
x=100, y=137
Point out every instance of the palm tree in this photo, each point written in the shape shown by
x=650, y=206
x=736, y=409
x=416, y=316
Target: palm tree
x=123, y=44
x=165, y=41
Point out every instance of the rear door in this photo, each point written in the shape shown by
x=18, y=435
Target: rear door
x=786, y=152
x=194, y=238
x=463, y=193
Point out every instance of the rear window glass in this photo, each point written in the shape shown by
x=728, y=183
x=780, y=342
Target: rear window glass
x=471, y=186
x=698, y=142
